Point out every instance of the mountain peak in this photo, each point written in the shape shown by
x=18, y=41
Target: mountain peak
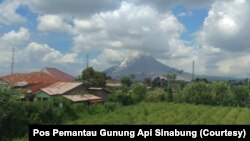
x=141, y=66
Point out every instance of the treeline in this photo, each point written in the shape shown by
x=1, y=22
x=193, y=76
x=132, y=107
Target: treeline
x=215, y=93
x=199, y=92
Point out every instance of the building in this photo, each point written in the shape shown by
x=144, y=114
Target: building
x=30, y=78
x=101, y=92
x=58, y=74
x=31, y=83
x=59, y=89
x=86, y=98
x=113, y=83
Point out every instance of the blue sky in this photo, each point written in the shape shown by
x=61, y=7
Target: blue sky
x=60, y=34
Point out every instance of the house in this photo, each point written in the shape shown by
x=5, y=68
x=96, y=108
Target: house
x=58, y=89
x=113, y=83
x=30, y=90
x=101, y=92
x=30, y=78
x=31, y=83
x=58, y=74
x=86, y=98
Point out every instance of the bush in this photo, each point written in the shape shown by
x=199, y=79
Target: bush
x=121, y=98
x=241, y=95
x=156, y=95
x=138, y=92
x=197, y=93
x=221, y=94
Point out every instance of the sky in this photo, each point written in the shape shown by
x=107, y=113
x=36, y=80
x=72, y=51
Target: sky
x=60, y=33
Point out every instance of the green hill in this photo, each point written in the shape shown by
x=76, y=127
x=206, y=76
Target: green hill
x=170, y=113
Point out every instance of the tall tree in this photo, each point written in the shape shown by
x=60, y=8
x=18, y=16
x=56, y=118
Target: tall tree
x=94, y=78
x=170, y=78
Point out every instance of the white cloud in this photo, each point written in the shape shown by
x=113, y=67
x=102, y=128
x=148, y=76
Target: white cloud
x=16, y=38
x=8, y=41
x=46, y=55
x=226, y=26
x=185, y=14
x=8, y=14
x=224, y=38
x=54, y=23
x=164, y=5
x=131, y=28
x=78, y=8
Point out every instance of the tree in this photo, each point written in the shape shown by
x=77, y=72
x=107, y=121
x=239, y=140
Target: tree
x=127, y=81
x=94, y=78
x=170, y=77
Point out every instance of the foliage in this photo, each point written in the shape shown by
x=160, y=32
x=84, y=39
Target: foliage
x=241, y=95
x=170, y=113
x=16, y=115
x=94, y=78
x=139, y=92
x=121, y=98
x=170, y=78
x=156, y=95
x=201, y=80
x=127, y=81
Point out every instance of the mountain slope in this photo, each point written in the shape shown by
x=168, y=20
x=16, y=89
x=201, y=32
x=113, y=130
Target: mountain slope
x=147, y=67
x=142, y=67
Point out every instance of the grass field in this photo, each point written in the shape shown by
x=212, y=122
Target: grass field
x=169, y=113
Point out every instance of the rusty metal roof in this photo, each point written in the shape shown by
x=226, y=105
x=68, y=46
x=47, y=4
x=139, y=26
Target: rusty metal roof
x=35, y=87
x=59, y=74
x=60, y=88
x=33, y=77
x=85, y=97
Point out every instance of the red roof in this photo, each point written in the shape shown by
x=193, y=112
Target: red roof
x=59, y=74
x=33, y=77
x=35, y=87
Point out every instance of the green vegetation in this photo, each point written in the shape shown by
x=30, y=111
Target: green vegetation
x=169, y=113
x=94, y=78
x=193, y=103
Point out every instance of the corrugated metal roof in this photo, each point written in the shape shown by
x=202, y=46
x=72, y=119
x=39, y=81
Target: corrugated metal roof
x=48, y=75
x=59, y=74
x=35, y=87
x=95, y=88
x=33, y=77
x=60, y=88
x=79, y=98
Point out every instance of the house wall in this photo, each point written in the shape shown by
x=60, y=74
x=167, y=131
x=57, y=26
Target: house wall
x=41, y=96
x=77, y=90
x=44, y=96
x=102, y=94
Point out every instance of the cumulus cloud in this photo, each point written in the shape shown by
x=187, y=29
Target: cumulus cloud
x=226, y=26
x=225, y=35
x=32, y=56
x=132, y=28
x=114, y=30
x=8, y=41
x=16, y=37
x=164, y=5
x=54, y=23
x=77, y=8
x=8, y=14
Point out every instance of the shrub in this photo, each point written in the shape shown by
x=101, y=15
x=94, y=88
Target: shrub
x=156, y=95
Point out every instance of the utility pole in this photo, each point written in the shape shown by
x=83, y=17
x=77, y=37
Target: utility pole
x=87, y=60
x=12, y=60
x=193, y=71
x=248, y=80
